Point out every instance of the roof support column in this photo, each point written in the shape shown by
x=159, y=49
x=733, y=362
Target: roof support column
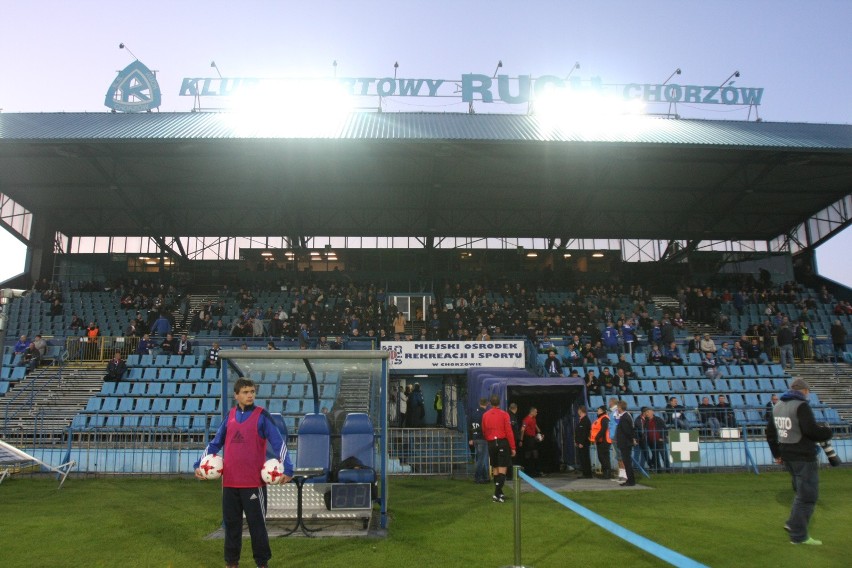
x=39, y=259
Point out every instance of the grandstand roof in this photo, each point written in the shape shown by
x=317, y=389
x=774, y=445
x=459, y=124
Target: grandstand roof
x=397, y=174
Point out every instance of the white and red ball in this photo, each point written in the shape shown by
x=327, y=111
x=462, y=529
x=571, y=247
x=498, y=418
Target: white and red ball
x=539, y=437
x=211, y=466
x=272, y=472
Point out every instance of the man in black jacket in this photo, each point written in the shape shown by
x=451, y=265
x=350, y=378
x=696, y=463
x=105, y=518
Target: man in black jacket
x=581, y=441
x=792, y=434
x=625, y=438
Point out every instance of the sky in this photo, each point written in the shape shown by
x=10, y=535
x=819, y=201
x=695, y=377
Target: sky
x=62, y=56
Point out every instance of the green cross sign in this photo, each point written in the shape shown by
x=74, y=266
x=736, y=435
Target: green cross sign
x=684, y=447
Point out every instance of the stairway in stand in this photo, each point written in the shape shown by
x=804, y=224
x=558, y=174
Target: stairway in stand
x=199, y=296
x=833, y=384
x=55, y=402
x=671, y=306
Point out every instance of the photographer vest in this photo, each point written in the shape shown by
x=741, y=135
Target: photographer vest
x=787, y=422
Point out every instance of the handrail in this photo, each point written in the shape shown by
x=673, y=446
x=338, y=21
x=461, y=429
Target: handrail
x=28, y=389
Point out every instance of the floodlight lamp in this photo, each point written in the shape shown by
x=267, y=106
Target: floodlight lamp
x=532, y=254
x=598, y=255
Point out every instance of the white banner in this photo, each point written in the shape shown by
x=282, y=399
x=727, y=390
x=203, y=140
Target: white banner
x=422, y=355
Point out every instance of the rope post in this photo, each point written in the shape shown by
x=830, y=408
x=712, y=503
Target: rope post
x=516, y=480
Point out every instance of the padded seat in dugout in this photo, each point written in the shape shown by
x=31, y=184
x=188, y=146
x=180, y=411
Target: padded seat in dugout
x=264, y=390
x=357, y=441
x=293, y=406
x=297, y=391
x=314, y=445
x=276, y=405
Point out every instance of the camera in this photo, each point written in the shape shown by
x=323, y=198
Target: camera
x=830, y=453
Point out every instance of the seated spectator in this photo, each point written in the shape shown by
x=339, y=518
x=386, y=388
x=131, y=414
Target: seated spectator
x=93, y=331
x=676, y=415
x=724, y=412
x=145, y=345
x=608, y=382
x=211, y=359
x=169, y=346
x=673, y=356
x=21, y=345
x=710, y=366
x=600, y=352
x=655, y=356
x=707, y=415
x=115, y=368
x=55, y=309
x=755, y=353
x=678, y=321
x=624, y=366
x=76, y=323
x=694, y=345
x=573, y=356
x=40, y=344
x=270, y=346
x=30, y=357
x=739, y=354
x=184, y=345
x=552, y=366
x=593, y=385
x=724, y=355
x=621, y=382
x=707, y=345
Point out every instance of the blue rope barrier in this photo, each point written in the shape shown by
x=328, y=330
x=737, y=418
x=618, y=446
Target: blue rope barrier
x=649, y=546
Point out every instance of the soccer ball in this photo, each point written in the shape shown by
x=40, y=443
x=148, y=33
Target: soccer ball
x=272, y=472
x=539, y=437
x=211, y=466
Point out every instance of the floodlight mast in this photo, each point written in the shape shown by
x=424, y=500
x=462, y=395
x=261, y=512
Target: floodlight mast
x=672, y=104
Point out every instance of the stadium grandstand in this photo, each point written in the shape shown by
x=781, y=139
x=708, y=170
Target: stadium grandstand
x=405, y=231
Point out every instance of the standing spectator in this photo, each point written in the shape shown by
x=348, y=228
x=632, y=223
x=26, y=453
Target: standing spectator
x=416, y=407
x=707, y=415
x=610, y=338
x=161, y=326
x=115, y=368
x=792, y=434
x=838, y=339
x=244, y=437
x=581, y=442
x=438, y=405
x=724, y=412
x=477, y=441
x=655, y=433
x=625, y=436
x=304, y=337
x=785, y=345
x=600, y=437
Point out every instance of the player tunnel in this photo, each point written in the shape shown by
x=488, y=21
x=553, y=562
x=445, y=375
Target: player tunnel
x=556, y=399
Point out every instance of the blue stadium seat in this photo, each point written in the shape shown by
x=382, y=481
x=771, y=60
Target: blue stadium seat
x=192, y=406
x=706, y=386
x=648, y=371
x=182, y=422
x=110, y=404
x=80, y=422
x=184, y=389
x=694, y=372
x=751, y=385
x=215, y=390
x=138, y=388
x=149, y=374
x=161, y=361
x=199, y=423
x=108, y=389
x=813, y=399
x=131, y=422
x=329, y=391
x=764, y=371
x=781, y=385
x=113, y=421
x=166, y=422
x=679, y=371
x=643, y=400
x=736, y=385
x=734, y=371
x=640, y=359
x=777, y=370
x=751, y=399
x=97, y=421
x=357, y=440
x=215, y=421
x=721, y=386
x=143, y=405
x=645, y=386
x=159, y=404
x=665, y=372
x=736, y=400
x=134, y=374
x=180, y=374
x=174, y=405
x=165, y=374
x=126, y=404
x=658, y=401
x=146, y=361
x=148, y=421
x=188, y=361
x=209, y=405
x=174, y=361
x=693, y=358
x=210, y=374
x=314, y=445
x=690, y=400
x=276, y=405
x=749, y=370
x=692, y=385
x=676, y=386
x=169, y=389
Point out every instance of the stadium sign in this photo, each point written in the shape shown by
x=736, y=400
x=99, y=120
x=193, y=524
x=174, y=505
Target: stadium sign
x=476, y=87
x=135, y=89
x=684, y=446
x=422, y=355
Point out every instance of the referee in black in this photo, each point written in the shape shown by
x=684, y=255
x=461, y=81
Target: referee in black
x=497, y=431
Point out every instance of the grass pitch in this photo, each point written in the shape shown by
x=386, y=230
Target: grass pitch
x=719, y=520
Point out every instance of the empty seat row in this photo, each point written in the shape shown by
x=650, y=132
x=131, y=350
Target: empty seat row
x=161, y=422
x=705, y=385
x=136, y=360
x=168, y=374
x=201, y=389
x=130, y=404
x=297, y=390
